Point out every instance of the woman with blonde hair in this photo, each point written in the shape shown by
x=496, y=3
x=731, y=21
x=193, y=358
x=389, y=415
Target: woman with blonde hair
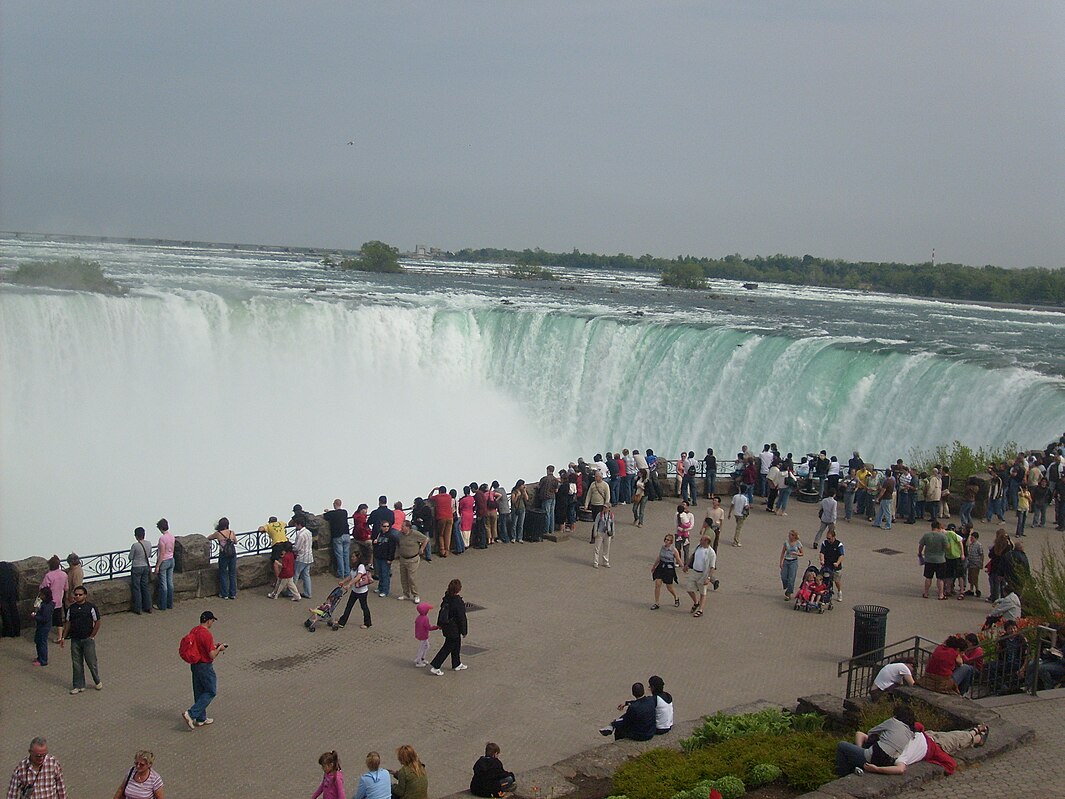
x=376, y=783
x=413, y=783
x=142, y=781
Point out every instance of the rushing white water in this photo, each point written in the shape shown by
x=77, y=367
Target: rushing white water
x=229, y=386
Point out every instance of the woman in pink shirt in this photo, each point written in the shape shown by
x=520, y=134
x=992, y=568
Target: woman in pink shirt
x=164, y=566
x=466, y=507
x=55, y=580
x=400, y=514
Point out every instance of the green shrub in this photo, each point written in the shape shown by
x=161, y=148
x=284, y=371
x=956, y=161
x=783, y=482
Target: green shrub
x=729, y=787
x=805, y=759
x=76, y=274
x=527, y=272
x=777, y=721
x=762, y=774
x=931, y=717
x=963, y=461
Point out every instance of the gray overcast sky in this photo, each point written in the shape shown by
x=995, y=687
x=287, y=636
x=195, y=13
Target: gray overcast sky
x=864, y=130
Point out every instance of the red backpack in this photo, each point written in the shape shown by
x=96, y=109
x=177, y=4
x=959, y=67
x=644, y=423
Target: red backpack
x=188, y=650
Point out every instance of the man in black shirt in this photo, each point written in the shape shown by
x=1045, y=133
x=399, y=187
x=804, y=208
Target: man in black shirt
x=83, y=622
x=710, y=472
x=382, y=513
x=339, y=537
x=832, y=561
x=638, y=721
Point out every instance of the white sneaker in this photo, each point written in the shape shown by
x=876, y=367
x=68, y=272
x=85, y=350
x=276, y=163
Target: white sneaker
x=420, y=664
x=839, y=595
x=188, y=720
x=401, y=597
x=99, y=686
x=416, y=600
x=205, y=722
x=437, y=672
x=76, y=691
x=460, y=667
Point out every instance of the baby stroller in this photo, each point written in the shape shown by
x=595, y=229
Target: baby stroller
x=816, y=600
x=325, y=611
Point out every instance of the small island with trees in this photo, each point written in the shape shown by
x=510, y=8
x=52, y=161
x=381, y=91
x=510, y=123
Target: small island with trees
x=73, y=274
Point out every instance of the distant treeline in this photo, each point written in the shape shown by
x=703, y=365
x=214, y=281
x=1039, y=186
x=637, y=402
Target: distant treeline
x=945, y=281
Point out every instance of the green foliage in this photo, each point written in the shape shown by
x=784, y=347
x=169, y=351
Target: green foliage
x=873, y=713
x=75, y=274
x=962, y=460
x=950, y=281
x=684, y=275
x=806, y=760
x=375, y=256
x=729, y=787
x=529, y=272
x=722, y=726
x=763, y=774
x=1044, y=593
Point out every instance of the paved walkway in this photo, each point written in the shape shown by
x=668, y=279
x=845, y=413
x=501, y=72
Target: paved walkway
x=558, y=644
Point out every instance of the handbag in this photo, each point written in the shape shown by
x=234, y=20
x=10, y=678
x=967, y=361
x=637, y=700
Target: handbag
x=363, y=580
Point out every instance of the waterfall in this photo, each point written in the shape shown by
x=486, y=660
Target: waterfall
x=192, y=405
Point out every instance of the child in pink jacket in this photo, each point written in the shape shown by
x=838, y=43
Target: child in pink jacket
x=422, y=628
x=332, y=786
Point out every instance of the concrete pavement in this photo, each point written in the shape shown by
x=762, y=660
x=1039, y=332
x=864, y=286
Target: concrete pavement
x=550, y=655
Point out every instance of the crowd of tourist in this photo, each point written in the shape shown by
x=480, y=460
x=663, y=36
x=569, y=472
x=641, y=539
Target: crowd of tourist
x=447, y=522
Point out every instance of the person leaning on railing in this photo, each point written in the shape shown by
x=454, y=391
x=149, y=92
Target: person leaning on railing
x=891, y=676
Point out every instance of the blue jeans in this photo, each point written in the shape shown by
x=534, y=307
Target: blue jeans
x=966, y=512
x=883, y=515
x=227, y=577
x=963, y=677
x=519, y=524
x=204, y=688
x=905, y=505
x=615, y=490
x=504, y=527
x=996, y=507
x=748, y=491
x=763, y=484
x=709, y=481
x=166, y=585
x=849, y=757
x=40, y=638
x=384, y=575
x=638, y=510
x=548, y=506
x=303, y=574
x=82, y=654
x=140, y=589
x=861, y=501
x=342, y=555
x=783, y=497
x=848, y=505
x=1022, y=517
x=787, y=575
x=687, y=488
x=1012, y=491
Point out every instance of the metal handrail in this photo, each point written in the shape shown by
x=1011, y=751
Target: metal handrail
x=109, y=565
x=862, y=669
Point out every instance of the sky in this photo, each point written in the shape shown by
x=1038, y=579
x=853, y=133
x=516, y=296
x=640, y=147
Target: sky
x=859, y=130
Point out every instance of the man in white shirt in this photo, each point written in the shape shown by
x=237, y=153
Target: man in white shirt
x=765, y=460
x=827, y=514
x=304, y=558
x=891, y=675
x=740, y=507
x=699, y=573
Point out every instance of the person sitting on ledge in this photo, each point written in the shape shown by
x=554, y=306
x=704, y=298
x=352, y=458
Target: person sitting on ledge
x=892, y=675
x=490, y=779
x=637, y=723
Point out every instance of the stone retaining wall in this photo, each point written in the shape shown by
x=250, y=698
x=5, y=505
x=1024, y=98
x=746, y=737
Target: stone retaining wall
x=195, y=577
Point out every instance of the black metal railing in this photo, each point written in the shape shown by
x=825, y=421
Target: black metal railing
x=997, y=676
x=109, y=565
x=862, y=669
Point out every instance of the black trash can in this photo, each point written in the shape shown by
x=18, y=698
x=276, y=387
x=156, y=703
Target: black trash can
x=535, y=524
x=870, y=632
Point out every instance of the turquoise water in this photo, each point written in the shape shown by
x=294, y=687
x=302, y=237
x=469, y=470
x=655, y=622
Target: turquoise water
x=237, y=385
